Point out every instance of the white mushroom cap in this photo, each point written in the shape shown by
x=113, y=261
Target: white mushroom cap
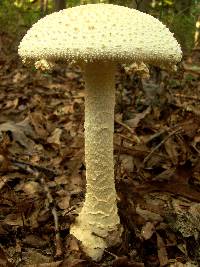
x=100, y=32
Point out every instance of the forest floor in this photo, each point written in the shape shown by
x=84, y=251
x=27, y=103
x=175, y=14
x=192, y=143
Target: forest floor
x=42, y=169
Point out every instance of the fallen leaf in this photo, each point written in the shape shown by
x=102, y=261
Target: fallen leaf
x=30, y=188
x=162, y=251
x=74, y=263
x=147, y=230
x=3, y=259
x=127, y=162
x=148, y=215
x=125, y=262
x=39, y=124
x=20, y=132
x=34, y=257
x=35, y=241
x=55, y=137
x=172, y=150
x=63, y=203
x=133, y=123
x=14, y=219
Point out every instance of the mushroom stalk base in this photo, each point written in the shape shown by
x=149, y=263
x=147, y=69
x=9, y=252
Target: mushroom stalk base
x=98, y=225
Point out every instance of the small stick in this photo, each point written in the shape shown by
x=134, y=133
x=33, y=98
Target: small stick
x=112, y=254
x=124, y=125
x=46, y=171
x=187, y=97
x=55, y=216
x=69, y=210
x=58, y=240
x=129, y=129
x=156, y=135
x=132, y=140
x=160, y=144
x=187, y=108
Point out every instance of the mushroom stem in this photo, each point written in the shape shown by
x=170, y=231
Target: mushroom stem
x=98, y=225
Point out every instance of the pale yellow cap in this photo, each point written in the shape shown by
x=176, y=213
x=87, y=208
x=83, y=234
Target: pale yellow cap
x=104, y=32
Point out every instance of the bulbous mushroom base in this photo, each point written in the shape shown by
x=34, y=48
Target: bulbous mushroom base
x=95, y=241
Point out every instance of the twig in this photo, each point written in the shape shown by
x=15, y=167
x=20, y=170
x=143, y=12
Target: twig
x=129, y=129
x=58, y=240
x=188, y=108
x=187, y=97
x=156, y=135
x=160, y=144
x=48, y=172
x=124, y=125
x=55, y=216
x=135, y=152
x=132, y=140
x=112, y=254
x=69, y=210
x=197, y=150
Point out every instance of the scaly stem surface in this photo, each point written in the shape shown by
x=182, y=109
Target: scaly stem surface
x=97, y=225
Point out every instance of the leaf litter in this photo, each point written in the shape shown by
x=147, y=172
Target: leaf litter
x=42, y=168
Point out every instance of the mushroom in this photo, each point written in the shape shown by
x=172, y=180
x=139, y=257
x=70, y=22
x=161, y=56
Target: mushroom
x=97, y=37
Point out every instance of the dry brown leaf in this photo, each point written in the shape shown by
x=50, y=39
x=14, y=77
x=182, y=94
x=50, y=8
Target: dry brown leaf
x=34, y=241
x=34, y=257
x=125, y=262
x=3, y=181
x=173, y=187
x=76, y=183
x=63, y=203
x=165, y=175
x=55, y=137
x=19, y=77
x=190, y=127
x=147, y=230
x=127, y=162
x=148, y=215
x=171, y=149
x=162, y=251
x=50, y=264
x=73, y=245
x=61, y=180
x=74, y=263
x=3, y=259
x=39, y=123
x=20, y=132
x=133, y=123
x=11, y=104
x=196, y=143
x=30, y=188
x=180, y=264
x=14, y=219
